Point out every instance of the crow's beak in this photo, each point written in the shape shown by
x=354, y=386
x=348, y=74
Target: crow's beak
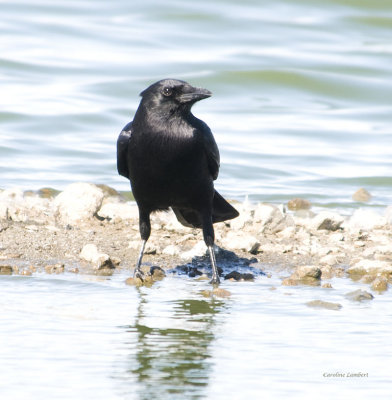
x=195, y=95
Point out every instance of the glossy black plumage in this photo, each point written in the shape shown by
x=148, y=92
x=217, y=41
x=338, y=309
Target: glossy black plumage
x=171, y=159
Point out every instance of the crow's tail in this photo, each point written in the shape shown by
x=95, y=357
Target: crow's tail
x=221, y=211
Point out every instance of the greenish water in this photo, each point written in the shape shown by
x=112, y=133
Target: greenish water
x=302, y=90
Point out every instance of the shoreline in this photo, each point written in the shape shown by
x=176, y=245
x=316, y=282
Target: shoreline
x=48, y=232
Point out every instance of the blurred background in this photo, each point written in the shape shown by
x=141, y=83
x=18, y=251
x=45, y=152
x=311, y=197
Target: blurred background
x=301, y=104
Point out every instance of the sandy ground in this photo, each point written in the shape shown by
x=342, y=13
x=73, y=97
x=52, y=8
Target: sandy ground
x=48, y=234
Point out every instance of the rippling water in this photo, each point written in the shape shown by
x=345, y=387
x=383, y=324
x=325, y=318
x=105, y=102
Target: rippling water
x=301, y=107
x=302, y=90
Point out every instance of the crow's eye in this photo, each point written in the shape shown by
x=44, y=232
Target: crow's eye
x=167, y=91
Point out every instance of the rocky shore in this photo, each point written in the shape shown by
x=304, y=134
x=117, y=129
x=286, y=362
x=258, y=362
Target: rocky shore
x=92, y=229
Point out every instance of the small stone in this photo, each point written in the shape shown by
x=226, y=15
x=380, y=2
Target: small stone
x=307, y=271
x=330, y=259
x=116, y=261
x=54, y=269
x=359, y=295
x=218, y=292
x=104, y=271
x=240, y=241
x=171, y=250
x=361, y=195
x=299, y=204
x=26, y=272
x=91, y=254
x=290, y=282
x=47, y=193
x=324, y=304
x=372, y=267
x=327, y=221
x=326, y=272
x=157, y=273
x=198, y=250
x=237, y=276
x=5, y=270
x=368, y=278
x=365, y=220
x=326, y=285
x=151, y=248
x=380, y=284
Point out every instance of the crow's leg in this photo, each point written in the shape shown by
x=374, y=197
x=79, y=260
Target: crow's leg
x=145, y=230
x=209, y=237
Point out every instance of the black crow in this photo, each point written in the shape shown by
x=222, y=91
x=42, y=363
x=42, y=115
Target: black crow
x=171, y=159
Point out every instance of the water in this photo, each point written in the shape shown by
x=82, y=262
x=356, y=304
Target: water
x=302, y=90
x=97, y=338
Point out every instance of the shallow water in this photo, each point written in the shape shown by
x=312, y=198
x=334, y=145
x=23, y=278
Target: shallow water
x=302, y=90
x=75, y=336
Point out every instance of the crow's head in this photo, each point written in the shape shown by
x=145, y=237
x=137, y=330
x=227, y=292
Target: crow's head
x=173, y=93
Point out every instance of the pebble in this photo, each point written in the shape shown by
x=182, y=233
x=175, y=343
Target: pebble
x=359, y=295
x=99, y=260
x=380, y=284
x=54, y=269
x=324, y=304
x=299, y=204
x=366, y=266
x=218, y=292
x=327, y=220
x=238, y=276
x=5, y=270
x=171, y=250
x=362, y=195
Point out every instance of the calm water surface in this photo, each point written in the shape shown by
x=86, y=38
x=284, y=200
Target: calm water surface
x=81, y=337
x=301, y=107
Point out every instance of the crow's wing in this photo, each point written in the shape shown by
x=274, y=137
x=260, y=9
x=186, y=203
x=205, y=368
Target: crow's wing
x=210, y=148
x=122, y=150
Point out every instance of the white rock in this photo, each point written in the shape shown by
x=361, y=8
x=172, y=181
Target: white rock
x=336, y=237
x=171, y=250
x=365, y=220
x=241, y=241
x=198, y=250
x=330, y=259
x=272, y=219
x=246, y=211
x=307, y=271
x=119, y=210
x=287, y=233
x=326, y=220
x=371, y=267
x=78, y=202
x=17, y=207
x=91, y=254
x=385, y=249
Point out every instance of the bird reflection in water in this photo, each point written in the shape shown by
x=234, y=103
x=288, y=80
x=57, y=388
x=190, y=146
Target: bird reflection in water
x=174, y=360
